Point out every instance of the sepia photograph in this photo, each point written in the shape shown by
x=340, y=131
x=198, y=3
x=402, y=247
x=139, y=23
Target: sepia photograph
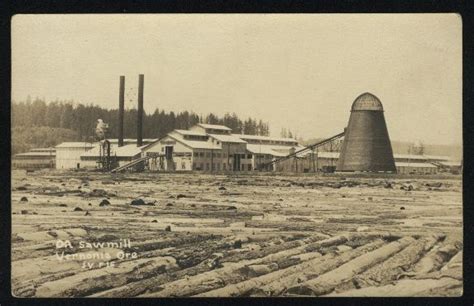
x=236, y=155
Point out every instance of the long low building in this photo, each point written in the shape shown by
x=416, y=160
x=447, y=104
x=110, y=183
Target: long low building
x=404, y=163
x=38, y=158
x=415, y=168
x=450, y=166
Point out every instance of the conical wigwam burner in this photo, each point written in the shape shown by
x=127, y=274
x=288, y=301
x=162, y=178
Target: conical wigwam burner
x=366, y=145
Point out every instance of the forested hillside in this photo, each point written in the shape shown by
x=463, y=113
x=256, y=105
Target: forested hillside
x=40, y=124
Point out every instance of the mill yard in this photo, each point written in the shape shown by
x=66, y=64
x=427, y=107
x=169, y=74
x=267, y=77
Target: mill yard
x=254, y=234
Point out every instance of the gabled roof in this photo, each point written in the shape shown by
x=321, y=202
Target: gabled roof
x=76, y=145
x=214, y=126
x=113, y=141
x=409, y=156
x=36, y=154
x=437, y=157
x=227, y=138
x=451, y=163
x=194, y=144
x=264, y=149
x=43, y=150
x=274, y=150
x=133, y=140
x=267, y=138
x=415, y=165
x=129, y=150
x=323, y=154
x=190, y=132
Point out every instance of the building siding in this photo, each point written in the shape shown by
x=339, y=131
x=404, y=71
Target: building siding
x=69, y=158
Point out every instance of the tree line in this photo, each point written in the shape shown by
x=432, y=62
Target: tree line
x=286, y=133
x=40, y=124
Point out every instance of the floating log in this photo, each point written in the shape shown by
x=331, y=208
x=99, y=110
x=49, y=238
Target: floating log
x=195, y=252
x=277, y=281
x=152, y=284
x=435, y=259
x=257, y=270
x=46, y=236
x=88, y=282
x=396, y=265
x=456, y=261
x=407, y=287
x=278, y=247
x=230, y=272
x=325, y=283
x=452, y=269
x=34, y=272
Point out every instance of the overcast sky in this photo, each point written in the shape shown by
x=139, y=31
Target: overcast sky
x=299, y=71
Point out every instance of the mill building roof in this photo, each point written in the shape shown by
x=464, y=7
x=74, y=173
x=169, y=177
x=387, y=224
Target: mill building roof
x=214, y=126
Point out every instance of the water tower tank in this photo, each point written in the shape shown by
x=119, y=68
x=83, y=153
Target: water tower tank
x=366, y=145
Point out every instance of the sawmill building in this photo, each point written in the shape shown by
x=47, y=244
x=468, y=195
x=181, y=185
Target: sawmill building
x=206, y=147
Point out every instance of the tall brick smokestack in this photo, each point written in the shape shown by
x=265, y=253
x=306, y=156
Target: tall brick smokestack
x=140, y=111
x=121, y=110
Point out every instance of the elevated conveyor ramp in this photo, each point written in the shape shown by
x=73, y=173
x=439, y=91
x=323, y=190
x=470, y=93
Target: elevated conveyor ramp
x=308, y=148
x=130, y=164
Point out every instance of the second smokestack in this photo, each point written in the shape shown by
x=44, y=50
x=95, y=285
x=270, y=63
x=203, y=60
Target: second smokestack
x=140, y=111
x=121, y=110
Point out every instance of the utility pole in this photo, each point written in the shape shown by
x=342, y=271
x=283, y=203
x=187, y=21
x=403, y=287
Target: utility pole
x=212, y=160
x=228, y=156
x=317, y=159
x=330, y=150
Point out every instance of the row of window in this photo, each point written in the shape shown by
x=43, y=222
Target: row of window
x=221, y=132
x=263, y=156
x=208, y=154
x=271, y=142
x=219, y=155
x=217, y=166
x=196, y=137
